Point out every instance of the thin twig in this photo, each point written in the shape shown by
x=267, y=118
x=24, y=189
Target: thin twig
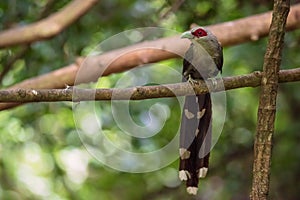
x=175, y=6
x=9, y=65
x=46, y=9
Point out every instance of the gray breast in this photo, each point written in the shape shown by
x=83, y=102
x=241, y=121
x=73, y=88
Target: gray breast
x=203, y=62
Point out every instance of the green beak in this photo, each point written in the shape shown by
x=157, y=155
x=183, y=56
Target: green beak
x=187, y=35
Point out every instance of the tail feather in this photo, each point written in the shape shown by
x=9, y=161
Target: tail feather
x=195, y=140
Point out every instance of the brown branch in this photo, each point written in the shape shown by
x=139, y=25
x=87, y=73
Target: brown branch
x=152, y=51
x=141, y=92
x=158, y=50
x=24, y=48
x=252, y=28
x=48, y=27
x=170, y=47
x=267, y=103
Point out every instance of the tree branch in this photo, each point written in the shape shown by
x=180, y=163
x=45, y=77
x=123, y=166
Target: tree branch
x=152, y=51
x=175, y=6
x=267, y=103
x=157, y=50
x=48, y=27
x=9, y=65
x=141, y=92
x=252, y=28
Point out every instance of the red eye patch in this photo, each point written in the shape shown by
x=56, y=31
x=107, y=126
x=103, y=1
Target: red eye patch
x=199, y=32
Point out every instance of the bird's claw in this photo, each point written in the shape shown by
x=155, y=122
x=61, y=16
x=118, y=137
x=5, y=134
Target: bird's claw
x=214, y=82
x=192, y=81
x=67, y=87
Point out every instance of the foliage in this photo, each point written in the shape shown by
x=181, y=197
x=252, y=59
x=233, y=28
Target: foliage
x=41, y=154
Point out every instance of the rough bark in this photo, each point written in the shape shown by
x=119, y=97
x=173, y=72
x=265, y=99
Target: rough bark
x=267, y=103
x=141, y=92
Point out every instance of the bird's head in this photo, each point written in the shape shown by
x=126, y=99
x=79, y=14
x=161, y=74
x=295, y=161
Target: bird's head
x=204, y=41
x=198, y=34
x=204, y=38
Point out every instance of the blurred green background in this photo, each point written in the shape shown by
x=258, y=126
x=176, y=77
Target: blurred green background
x=42, y=157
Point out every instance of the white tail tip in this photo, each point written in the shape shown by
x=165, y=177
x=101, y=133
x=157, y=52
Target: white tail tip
x=184, y=175
x=202, y=172
x=192, y=190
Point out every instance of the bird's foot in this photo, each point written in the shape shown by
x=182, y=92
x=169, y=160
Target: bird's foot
x=68, y=87
x=192, y=81
x=214, y=83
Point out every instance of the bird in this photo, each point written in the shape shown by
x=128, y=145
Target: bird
x=202, y=61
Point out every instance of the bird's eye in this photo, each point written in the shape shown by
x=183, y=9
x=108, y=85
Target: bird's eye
x=199, y=33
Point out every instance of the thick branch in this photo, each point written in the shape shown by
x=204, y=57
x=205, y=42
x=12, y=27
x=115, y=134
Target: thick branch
x=158, y=50
x=48, y=27
x=267, y=103
x=141, y=92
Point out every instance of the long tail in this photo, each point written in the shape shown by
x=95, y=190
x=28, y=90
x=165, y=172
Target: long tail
x=195, y=140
